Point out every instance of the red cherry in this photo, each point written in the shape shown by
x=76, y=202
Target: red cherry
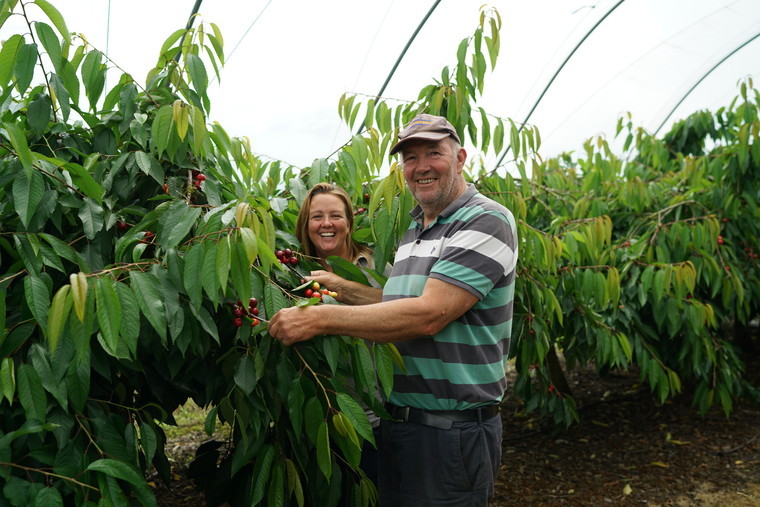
x=308, y=293
x=238, y=322
x=201, y=177
x=324, y=291
x=254, y=311
x=293, y=261
x=253, y=302
x=122, y=226
x=287, y=253
x=238, y=312
x=255, y=322
x=317, y=295
x=279, y=254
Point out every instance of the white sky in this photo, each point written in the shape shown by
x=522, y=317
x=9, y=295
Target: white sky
x=282, y=84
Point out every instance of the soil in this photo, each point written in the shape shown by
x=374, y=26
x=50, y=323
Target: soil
x=627, y=450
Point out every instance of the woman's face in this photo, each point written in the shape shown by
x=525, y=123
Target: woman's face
x=328, y=226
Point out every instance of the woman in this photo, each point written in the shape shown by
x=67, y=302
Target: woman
x=324, y=228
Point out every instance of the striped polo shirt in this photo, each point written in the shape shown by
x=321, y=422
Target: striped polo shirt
x=473, y=245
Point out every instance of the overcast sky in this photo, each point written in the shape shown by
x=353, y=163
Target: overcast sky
x=289, y=61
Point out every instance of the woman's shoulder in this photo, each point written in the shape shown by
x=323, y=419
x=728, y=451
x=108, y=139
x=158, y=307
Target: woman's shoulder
x=364, y=260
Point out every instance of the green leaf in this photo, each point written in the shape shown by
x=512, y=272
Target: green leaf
x=55, y=17
x=31, y=394
x=108, y=309
x=150, y=166
x=314, y=415
x=199, y=131
x=198, y=75
x=91, y=215
x=93, y=77
x=38, y=114
x=261, y=471
x=245, y=375
x=28, y=188
x=240, y=272
x=17, y=137
x=384, y=367
x=223, y=262
x=191, y=276
x=83, y=181
x=24, y=67
x=323, y=450
x=79, y=288
x=48, y=497
x=59, y=313
x=274, y=299
x=8, y=55
x=250, y=244
x=148, y=292
x=295, y=405
x=176, y=223
x=37, y=298
x=207, y=322
x=129, y=330
x=78, y=382
x=208, y=273
x=148, y=441
x=49, y=41
x=181, y=118
x=356, y=415
x=276, y=496
x=7, y=379
x=294, y=482
x=120, y=470
x=162, y=128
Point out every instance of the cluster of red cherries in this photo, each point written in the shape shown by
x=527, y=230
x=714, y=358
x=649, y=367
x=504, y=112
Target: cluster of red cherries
x=315, y=292
x=198, y=178
x=286, y=257
x=239, y=311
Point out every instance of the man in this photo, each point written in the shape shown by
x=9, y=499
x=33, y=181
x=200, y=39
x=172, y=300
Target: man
x=448, y=307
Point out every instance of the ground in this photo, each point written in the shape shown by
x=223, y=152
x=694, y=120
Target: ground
x=628, y=450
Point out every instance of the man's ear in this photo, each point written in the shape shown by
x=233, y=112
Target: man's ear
x=461, y=157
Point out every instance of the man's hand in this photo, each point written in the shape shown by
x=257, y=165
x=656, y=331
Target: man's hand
x=293, y=325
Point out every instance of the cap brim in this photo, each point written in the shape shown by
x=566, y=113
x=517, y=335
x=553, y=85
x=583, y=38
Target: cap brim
x=428, y=136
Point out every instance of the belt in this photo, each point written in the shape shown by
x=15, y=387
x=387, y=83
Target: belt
x=442, y=419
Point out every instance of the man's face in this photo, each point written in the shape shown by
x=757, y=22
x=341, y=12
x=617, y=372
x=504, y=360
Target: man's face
x=433, y=173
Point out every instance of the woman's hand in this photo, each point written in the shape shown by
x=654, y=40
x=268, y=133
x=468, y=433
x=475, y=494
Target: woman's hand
x=349, y=293
x=329, y=280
